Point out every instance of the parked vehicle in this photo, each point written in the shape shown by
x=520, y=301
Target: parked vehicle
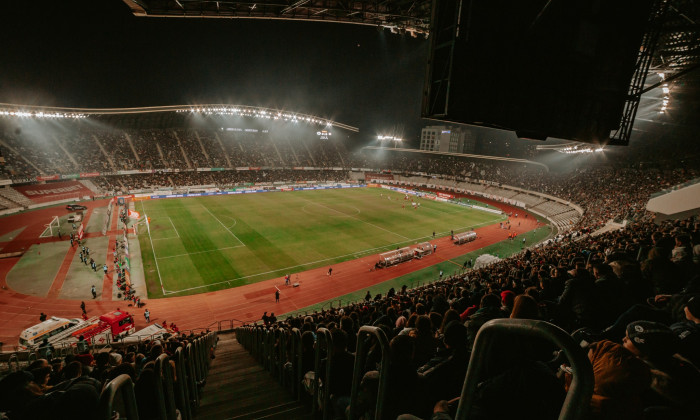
x=75, y=207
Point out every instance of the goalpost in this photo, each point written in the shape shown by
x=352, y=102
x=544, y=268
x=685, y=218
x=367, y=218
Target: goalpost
x=55, y=225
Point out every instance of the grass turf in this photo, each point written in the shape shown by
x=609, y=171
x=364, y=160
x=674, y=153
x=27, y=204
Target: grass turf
x=197, y=245
x=503, y=249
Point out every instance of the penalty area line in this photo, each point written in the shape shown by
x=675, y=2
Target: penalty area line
x=311, y=263
x=224, y=226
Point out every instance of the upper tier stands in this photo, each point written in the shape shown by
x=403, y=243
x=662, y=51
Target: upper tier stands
x=604, y=193
x=596, y=288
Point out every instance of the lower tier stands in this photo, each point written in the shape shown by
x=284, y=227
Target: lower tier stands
x=155, y=379
x=595, y=328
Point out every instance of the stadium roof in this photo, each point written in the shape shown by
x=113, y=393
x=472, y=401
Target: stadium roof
x=677, y=51
x=16, y=110
x=402, y=16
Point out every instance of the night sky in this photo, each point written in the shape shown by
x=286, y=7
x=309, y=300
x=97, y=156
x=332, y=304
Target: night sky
x=95, y=53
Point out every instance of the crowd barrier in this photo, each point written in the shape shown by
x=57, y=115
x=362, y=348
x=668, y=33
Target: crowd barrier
x=280, y=352
x=173, y=396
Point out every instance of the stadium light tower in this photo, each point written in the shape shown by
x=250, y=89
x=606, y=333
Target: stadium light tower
x=396, y=140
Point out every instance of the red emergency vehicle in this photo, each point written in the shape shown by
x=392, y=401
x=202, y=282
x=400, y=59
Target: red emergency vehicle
x=110, y=327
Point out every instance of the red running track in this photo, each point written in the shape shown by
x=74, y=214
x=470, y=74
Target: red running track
x=19, y=311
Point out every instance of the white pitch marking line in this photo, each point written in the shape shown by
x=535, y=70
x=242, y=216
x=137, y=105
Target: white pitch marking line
x=201, y=252
x=319, y=261
x=360, y=220
x=224, y=226
x=153, y=248
x=173, y=225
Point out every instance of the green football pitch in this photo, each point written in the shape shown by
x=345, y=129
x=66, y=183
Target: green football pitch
x=196, y=245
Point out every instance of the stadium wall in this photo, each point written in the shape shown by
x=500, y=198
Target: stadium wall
x=10, y=211
x=474, y=186
x=681, y=203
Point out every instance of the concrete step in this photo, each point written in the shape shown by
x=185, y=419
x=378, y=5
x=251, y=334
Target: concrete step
x=239, y=388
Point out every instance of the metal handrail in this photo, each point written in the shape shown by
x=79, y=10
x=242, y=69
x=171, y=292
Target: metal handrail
x=296, y=358
x=164, y=388
x=273, y=352
x=283, y=358
x=191, y=375
x=182, y=398
x=360, y=356
x=323, y=336
x=123, y=385
x=577, y=402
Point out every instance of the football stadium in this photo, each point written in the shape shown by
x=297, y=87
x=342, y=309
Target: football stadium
x=394, y=210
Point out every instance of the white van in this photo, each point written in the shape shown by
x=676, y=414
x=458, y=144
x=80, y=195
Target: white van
x=33, y=336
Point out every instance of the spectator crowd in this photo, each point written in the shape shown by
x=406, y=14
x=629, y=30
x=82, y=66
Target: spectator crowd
x=69, y=387
x=630, y=297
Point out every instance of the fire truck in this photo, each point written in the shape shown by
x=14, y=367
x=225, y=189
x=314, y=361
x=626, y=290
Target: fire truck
x=109, y=327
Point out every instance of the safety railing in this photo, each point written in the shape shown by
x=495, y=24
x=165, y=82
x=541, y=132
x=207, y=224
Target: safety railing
x=324, y=343
x=577, y=402
x=260, y=341
x=283, y=351
x=178, y=387
x=182, y=395
x=123, y=387
x=165, y=403
x=191, y=380
x=273, y=349
x=296, y=359
x=363, y=345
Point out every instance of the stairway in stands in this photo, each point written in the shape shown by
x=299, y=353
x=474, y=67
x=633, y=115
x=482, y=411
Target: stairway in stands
x=91, y=186
x=15, y=196
x=239, y=388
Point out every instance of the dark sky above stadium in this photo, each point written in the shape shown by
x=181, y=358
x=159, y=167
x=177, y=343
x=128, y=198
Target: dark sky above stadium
x=95, y=53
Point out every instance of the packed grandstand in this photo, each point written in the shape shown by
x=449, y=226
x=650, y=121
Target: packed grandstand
x=630, y=296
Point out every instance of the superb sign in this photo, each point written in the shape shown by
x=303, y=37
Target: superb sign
x=53, y=191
